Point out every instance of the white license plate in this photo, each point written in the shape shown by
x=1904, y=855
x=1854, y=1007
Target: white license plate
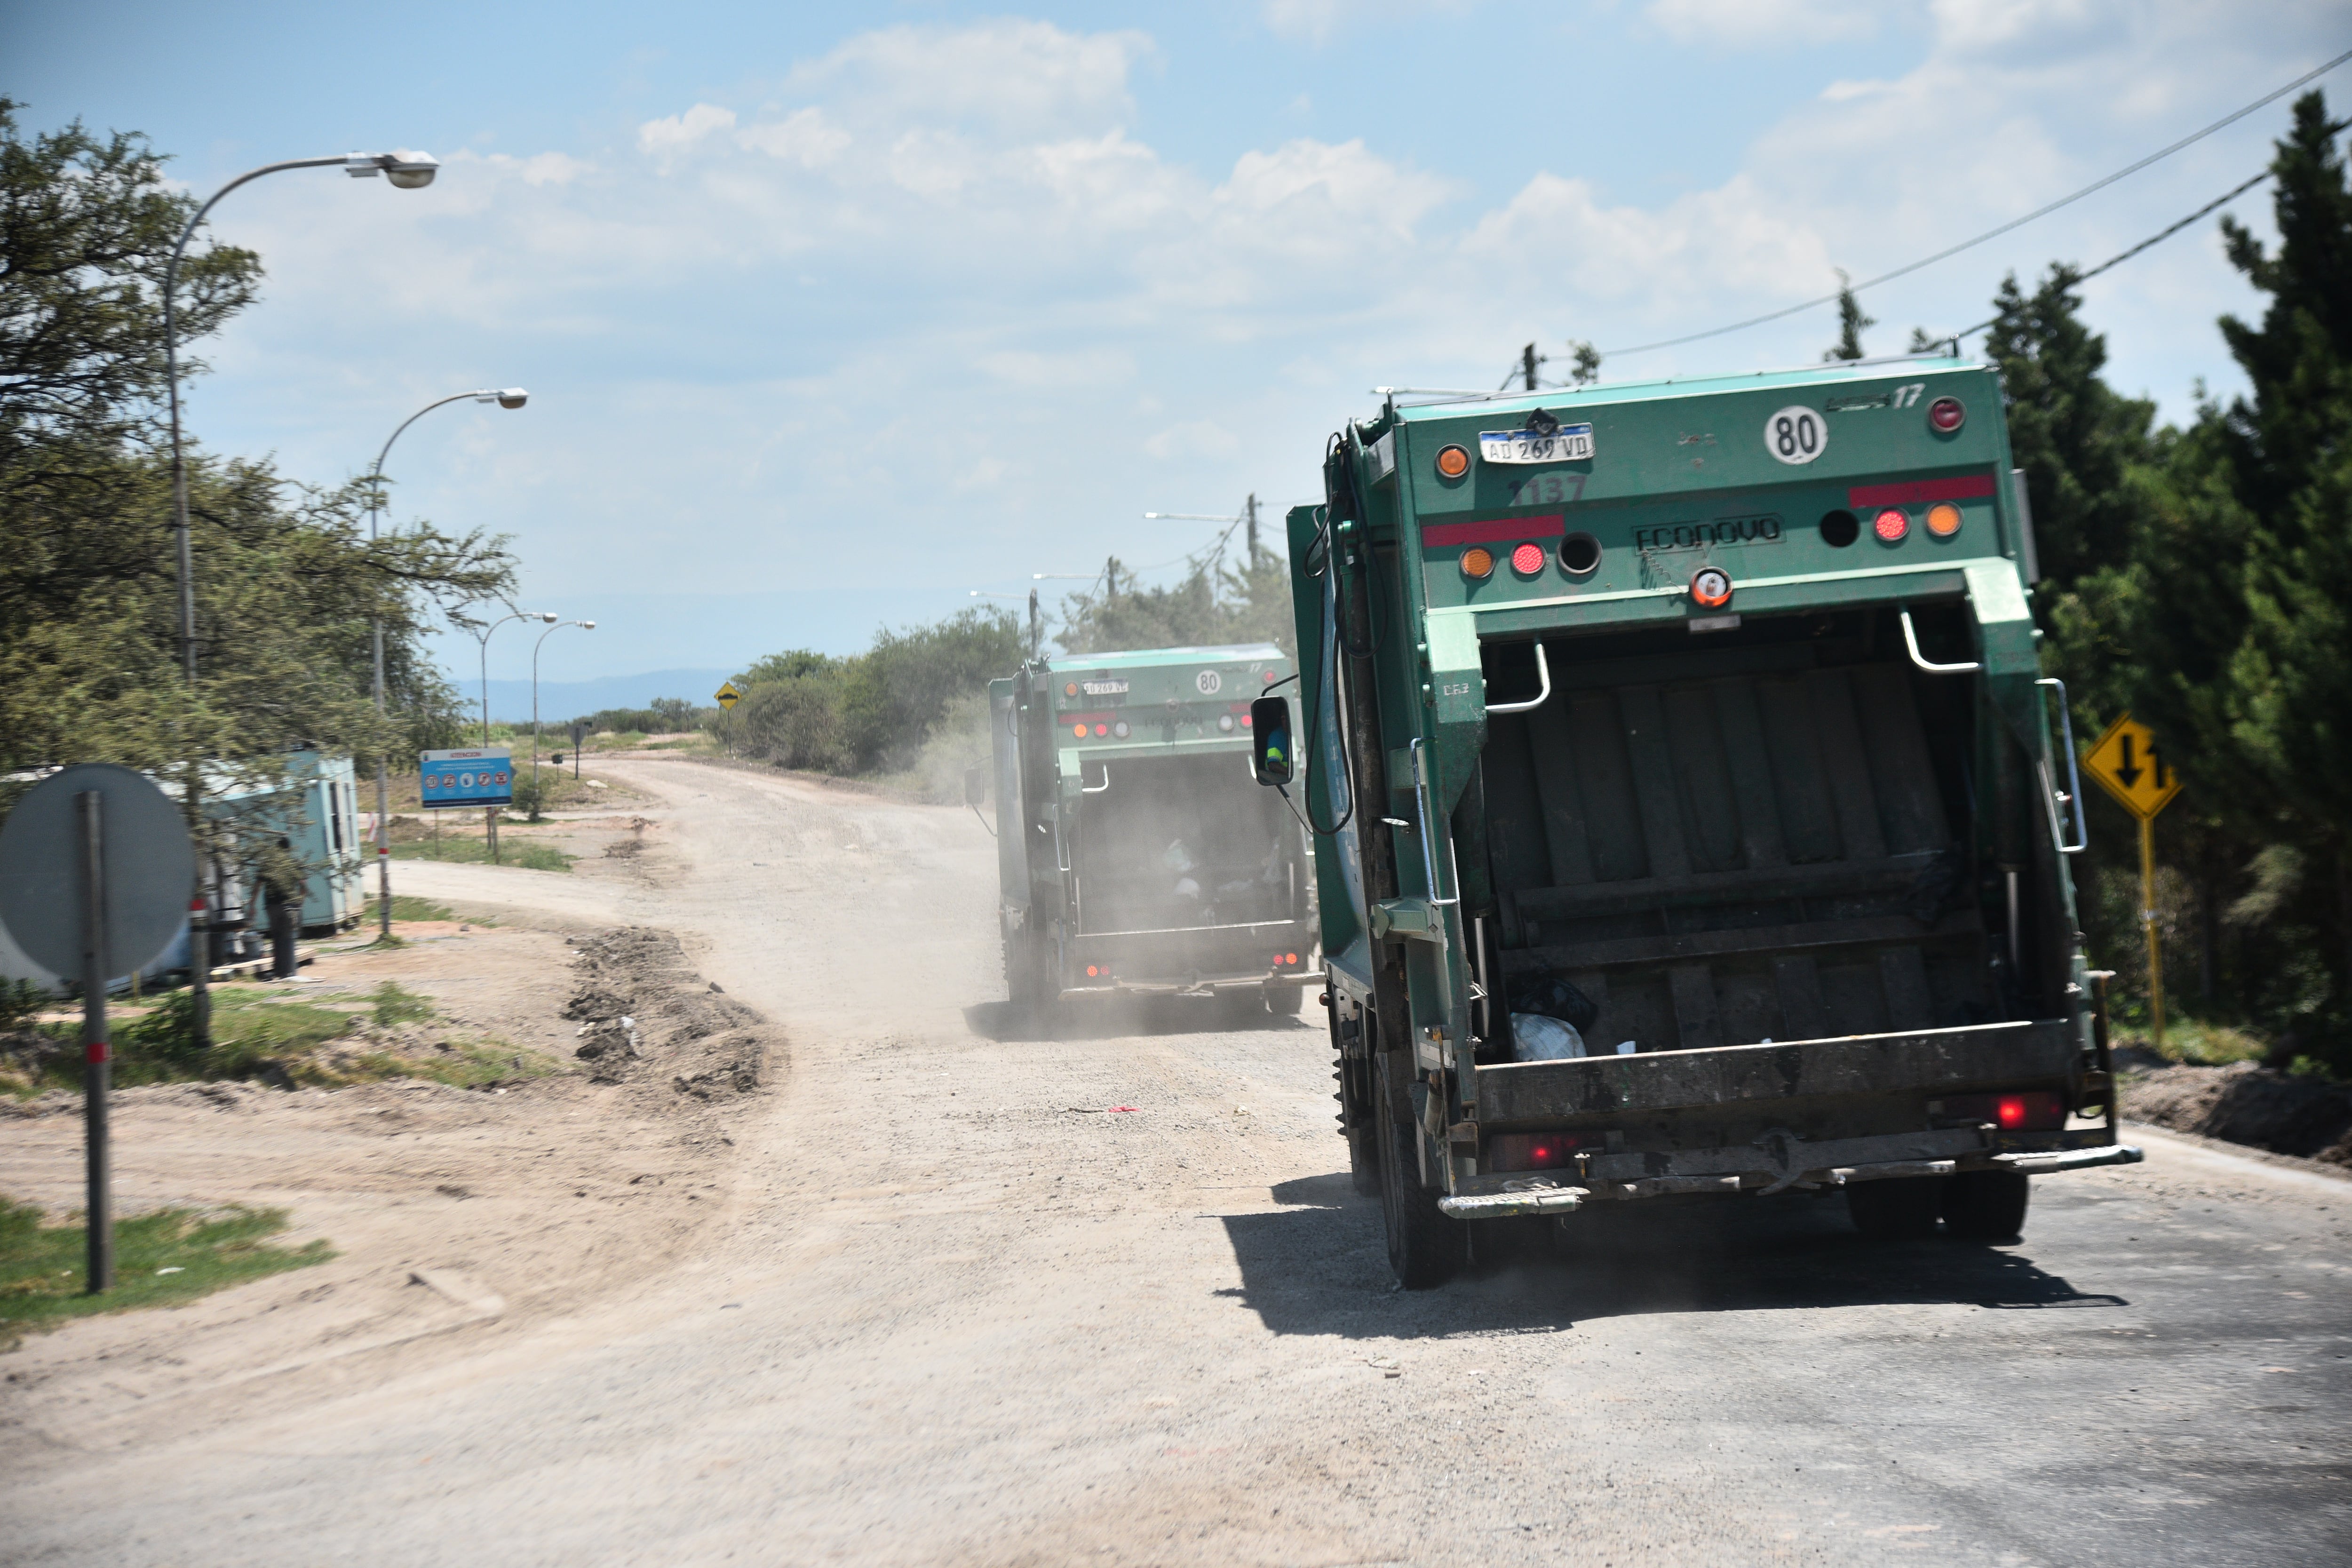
x=1568, y=444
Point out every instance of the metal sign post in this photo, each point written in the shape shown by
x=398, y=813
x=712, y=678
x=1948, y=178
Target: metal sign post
x=97, y=1048
x=95, y=871
x=2130, y=765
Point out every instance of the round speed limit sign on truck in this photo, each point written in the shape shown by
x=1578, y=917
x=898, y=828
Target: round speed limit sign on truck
x=1796, y=435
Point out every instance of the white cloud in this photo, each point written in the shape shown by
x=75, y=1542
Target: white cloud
x=681, y=131
x=1762, y=24
x=1318, y=21
x=1196, y=438
x=1014, y=77
x=805, y=136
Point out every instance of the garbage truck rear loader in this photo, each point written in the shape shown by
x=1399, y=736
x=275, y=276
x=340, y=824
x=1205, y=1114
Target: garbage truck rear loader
x=1134, y=853
x=1690, y=821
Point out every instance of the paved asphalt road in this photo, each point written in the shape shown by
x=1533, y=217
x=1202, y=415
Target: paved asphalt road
x=963, y=1313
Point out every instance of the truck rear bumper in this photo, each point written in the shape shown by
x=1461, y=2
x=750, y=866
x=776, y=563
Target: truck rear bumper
x=1208, y=986
x=1564, y=1192
x=1935, y=1061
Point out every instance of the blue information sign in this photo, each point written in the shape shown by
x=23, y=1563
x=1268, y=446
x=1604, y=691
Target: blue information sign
x=481, y=776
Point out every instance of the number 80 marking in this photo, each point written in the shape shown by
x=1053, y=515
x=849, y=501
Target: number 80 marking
x=1796, y=435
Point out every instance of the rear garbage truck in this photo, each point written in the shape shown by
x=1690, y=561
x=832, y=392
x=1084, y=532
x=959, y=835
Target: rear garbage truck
x=1135, y=854
x=1691, y=812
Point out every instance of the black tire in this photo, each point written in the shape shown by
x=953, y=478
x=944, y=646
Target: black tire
x=1356, y=1117
x=1240, y=1010
x=1285, y=1001
x=1904, y=1208
x=1029, y=978
x=1425, y=1249
x=1985, y=1205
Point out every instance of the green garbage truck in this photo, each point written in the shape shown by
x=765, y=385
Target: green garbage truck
x=1134, y=852
x=1691, y=813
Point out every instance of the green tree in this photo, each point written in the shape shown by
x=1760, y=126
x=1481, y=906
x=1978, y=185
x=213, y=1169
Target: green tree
x=1216, y=602
x=2244, y=621
x=1852, y=323
x=287, y=580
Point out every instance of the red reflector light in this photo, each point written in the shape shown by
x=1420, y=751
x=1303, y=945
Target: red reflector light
x=1946, y=415
x=1535, y=1150
x=2010, y=1111
x=2023, y=1110
x=1527, y=559
x=1891, y=525
x=1102, y=728
x=1245, y=721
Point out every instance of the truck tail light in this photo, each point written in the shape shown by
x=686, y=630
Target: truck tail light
x=1945, y=416
x=1891, y=525
x=2020, y=1110
x=1536, y=1150
x=1943, y=520
x=1527, y=559
x=1477, y=562
x=1453, y=462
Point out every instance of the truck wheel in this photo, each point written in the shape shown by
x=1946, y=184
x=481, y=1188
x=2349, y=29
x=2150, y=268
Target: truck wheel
x=1902, y=1208
x=1425, y=1249
x=1284, y=1001
x=1985, y=1205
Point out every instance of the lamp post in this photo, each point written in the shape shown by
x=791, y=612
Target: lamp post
x=505, y=397
x=407, y=172
x=1035, y=630
x=490, y=813
x=583, y=626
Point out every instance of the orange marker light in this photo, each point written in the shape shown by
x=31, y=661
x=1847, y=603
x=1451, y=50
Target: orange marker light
x=1891, y=525
x=1453, y=462
x=1069, y=688
x=1943, y=520
x=1079, y=730
x=1477, y=562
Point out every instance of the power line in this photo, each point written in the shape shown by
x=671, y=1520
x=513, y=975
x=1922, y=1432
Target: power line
x=2227, y=120
x=2163, y=234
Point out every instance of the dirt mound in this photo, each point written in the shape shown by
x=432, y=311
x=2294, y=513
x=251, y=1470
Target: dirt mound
x=2247, y=1104
x=649, y=1017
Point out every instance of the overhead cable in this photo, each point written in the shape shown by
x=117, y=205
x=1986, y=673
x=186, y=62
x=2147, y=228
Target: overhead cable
x=2100, y=184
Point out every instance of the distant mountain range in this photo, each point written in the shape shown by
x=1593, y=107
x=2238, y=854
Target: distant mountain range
x=563, y=699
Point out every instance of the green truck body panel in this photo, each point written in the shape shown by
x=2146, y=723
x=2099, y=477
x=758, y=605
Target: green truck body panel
x=1758, y=818
x=1130, y=836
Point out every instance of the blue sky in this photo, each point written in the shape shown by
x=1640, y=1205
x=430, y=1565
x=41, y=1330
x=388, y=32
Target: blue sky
x=830, y=316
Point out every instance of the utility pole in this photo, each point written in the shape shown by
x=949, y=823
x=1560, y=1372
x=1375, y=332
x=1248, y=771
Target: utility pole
x=1110, y=580
x=1253, y=528
x=1529, y=360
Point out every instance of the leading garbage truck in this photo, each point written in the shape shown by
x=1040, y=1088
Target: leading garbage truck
x=1134, y=853
x=1692, y=814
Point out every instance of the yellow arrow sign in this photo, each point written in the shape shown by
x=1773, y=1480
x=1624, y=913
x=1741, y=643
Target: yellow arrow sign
x=728, y=696
x=2129, y=762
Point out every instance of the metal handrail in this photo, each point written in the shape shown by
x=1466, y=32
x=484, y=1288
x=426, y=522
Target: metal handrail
x=2074, y=778
x=1543, y=672
x=1429, y=845
x=1911, y=641
x=1096, y=789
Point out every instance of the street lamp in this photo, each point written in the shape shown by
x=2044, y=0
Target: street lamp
x=490, y=813
x=583, y=626
x=505, y=397
x=406, y=171
x=1036, y=630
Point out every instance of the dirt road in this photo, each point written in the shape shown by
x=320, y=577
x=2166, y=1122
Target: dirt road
x=955, y=1309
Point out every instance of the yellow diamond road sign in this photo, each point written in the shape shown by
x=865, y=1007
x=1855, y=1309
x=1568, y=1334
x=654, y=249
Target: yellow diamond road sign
x=728, y=696
x=2131, y=764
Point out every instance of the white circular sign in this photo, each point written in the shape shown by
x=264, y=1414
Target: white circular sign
x=1796, y=435
x=1210, y=682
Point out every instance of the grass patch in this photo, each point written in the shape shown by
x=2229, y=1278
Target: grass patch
x=474, y=852
x=261, y=1034
x=2193, y=1041
x=161, y=1260
x=407, y=907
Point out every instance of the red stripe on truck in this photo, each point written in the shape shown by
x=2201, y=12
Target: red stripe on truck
x=1919, y=492
x=1493, y=531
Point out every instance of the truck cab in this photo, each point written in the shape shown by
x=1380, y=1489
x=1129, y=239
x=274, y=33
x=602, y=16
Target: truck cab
x=1135, y=854
x=1705, y=719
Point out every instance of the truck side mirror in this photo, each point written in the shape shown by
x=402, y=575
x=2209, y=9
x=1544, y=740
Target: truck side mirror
x=975, y=784
x=1270, y=757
